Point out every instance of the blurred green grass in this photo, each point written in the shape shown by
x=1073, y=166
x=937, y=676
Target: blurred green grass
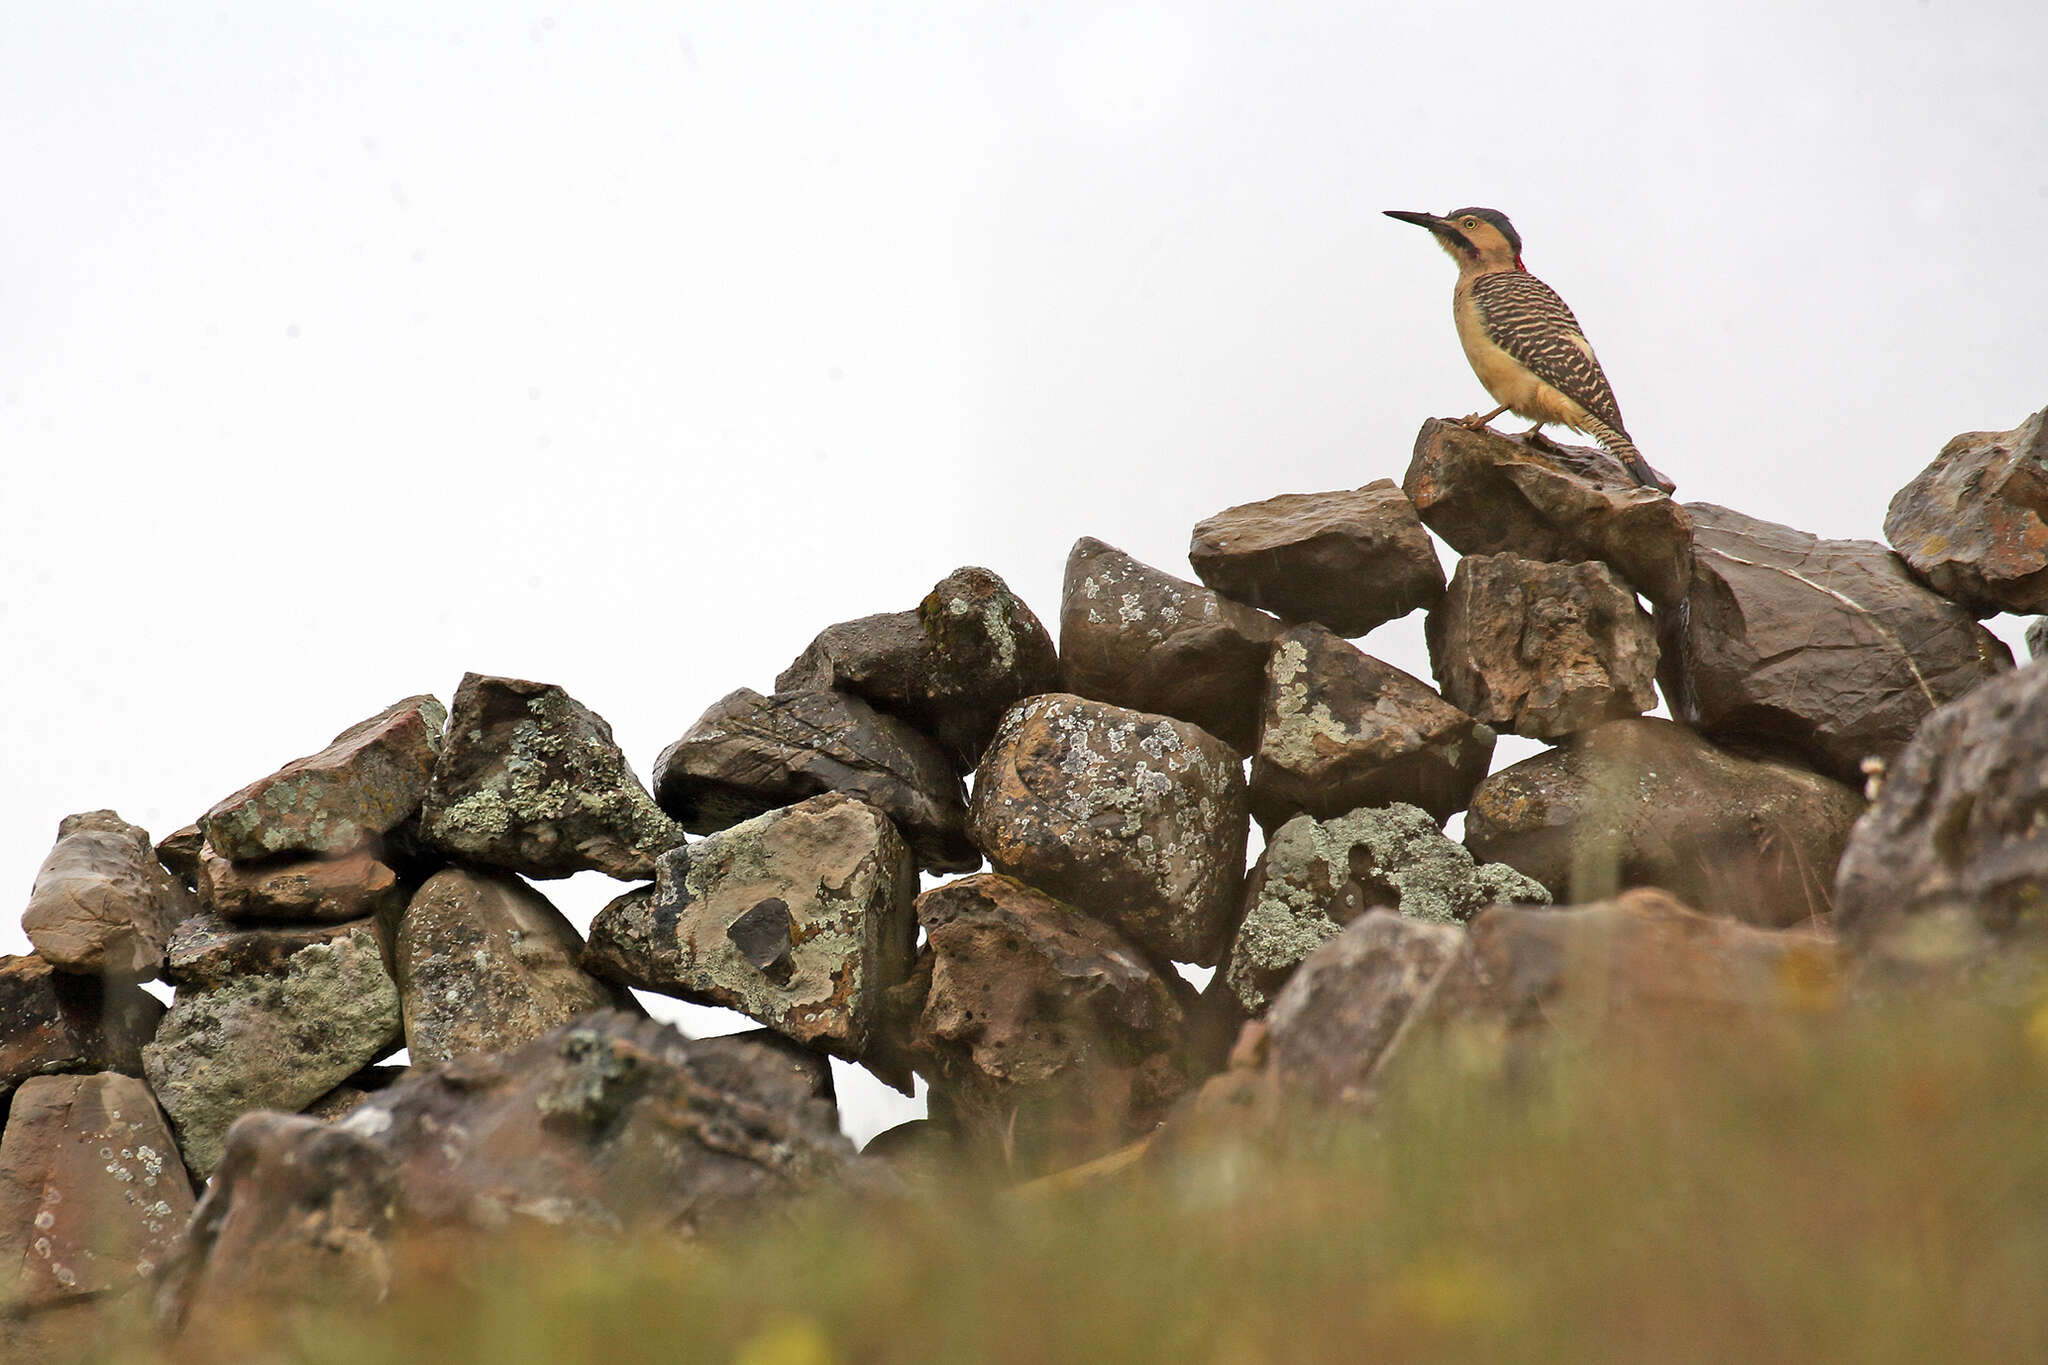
x=1870, y=1185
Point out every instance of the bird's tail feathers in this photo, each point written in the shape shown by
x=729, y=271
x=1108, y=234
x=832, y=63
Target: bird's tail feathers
x=1617, y=444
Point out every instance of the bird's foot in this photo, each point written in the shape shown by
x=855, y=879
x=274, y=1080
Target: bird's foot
x=1534, y=436
x=1478, y=421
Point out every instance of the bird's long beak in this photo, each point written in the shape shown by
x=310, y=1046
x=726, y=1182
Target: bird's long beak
x=1428, y=220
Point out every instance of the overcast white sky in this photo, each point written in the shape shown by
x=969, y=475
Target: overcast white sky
x=345, y=348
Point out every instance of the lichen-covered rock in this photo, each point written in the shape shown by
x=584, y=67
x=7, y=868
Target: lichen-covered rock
x=91, y=1190
x=102, y=903
x=1649, y=803
x=270, y=1042
x=485, y=964
x=1824, y=648
x=1339, y=1013
x=1339, y=729
x=367, y=780
x=751, y=754
x=607, y=1124
x=1543, y=650
x=950, y=668
x=1046, y=1037
x=350, y=886
x=800, y=918
x=1316, y=876
x=1147, y=641
x=1972, y=525
x=1139, y=820
x=53, y=1022
x=530, y=780
x=207, y=950
x=1347, y=560
x=1950, y=866
x=1485, y=494
x=2037, y=637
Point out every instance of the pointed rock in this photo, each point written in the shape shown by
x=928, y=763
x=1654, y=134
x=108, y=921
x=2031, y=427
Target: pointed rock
x=270, y=1042
x=53, y=1022
x=1046, y=1037
x=102, y=903
x=1649, y=803
x=1140, y=820
x=323, y=890
x=949, y=669
x=1826, y=649
x=1949, y=865
x=1144, y=640
x=1542, y=650
x=1347, y=560
x=367, y=780
x=178, y=854
x=485, y=964
x=1315, y=877
x=751, y=754
x=530, y=780
x=91, y=1190
x=1485, y=493
x=800, y=918
x=1971, y=525
x=1340, y=730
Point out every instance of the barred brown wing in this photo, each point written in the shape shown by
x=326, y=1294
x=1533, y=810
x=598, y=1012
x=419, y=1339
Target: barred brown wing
x=1525, y=317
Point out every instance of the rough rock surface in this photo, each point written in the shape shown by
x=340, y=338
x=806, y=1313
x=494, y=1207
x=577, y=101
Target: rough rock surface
x=1314, y=877
x=1649, y=803
x=1341, y=1011
x=1138, y=638
x=1543, y=650
x=1046, y=1037
x=485, y=964
x=270, y=1042
x=1139, y=820
x=324, y=890
x=1340, y=729
x=530, y=780
x=53, y=1022
x=950, y=668
x=1347, y=560
x=608, y=1123
x=1825, y=648
x=750, y=754
x=1952, y=859
x=1642, y=956
x=369, y=779
x=102, y=903
x=1972, y=525
x=208, y=951
x=2037, y=637
x=1485, y=493
x=178, y=854
x=91, y=1190
x=800, y=918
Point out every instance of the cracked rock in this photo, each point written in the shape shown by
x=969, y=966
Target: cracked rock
x=53, y=1022
x=1826, y=649
x=530, y=780
x=323, y=890
x=1971, y=525
x=1139, y=820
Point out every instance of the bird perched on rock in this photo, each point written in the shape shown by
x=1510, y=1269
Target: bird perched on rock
x=1523, y=342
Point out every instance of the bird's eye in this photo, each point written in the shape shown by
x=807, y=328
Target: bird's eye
x=1470, y=222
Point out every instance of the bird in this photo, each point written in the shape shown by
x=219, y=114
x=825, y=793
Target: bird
x=1523, y=342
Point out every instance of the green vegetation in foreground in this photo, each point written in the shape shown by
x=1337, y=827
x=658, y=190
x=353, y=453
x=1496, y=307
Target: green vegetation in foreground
x=1866, y=1188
